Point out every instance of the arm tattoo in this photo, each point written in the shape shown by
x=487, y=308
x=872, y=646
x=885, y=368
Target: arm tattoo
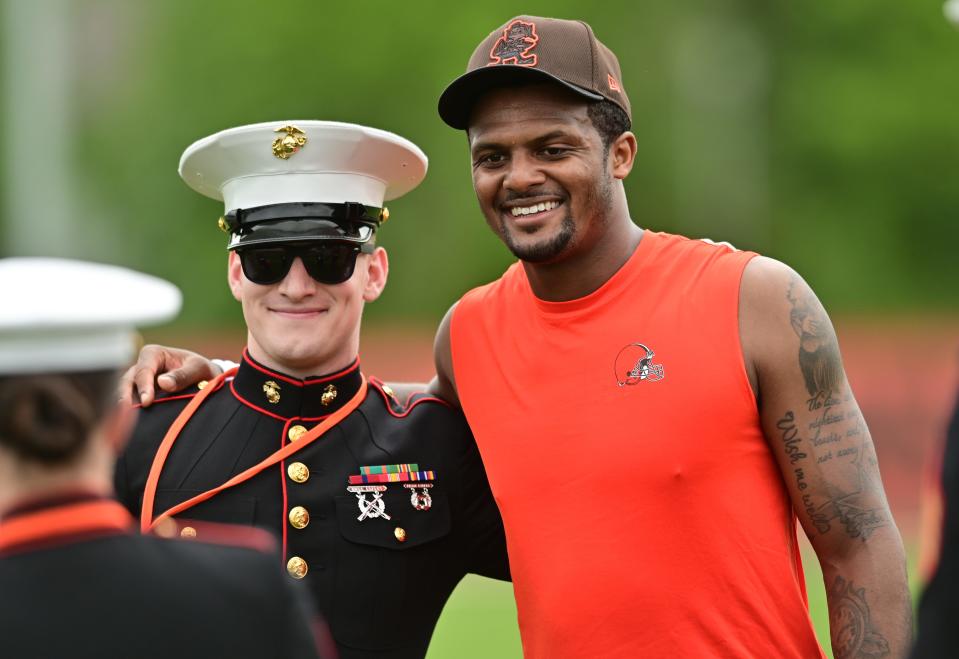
x=853, y=509
x=832, y=457
x=852, y=504
x=818, y=349
x=850, y=626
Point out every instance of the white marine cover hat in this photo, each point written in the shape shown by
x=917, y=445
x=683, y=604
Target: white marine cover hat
x=62, y=315
x=286, y=181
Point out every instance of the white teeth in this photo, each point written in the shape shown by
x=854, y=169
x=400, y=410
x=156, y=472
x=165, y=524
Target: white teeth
x=535, y=208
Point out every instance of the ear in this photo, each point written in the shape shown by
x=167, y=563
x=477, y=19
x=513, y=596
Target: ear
x=234, y=275
x=622, y=155
x=378, y=269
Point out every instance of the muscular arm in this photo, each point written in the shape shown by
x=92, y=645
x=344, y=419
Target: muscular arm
x=822, y=445
x=444, y=384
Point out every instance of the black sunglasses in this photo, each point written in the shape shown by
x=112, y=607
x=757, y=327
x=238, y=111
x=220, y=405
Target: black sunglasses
x=326, y=262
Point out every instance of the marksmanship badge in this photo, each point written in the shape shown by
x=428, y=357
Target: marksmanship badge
x=375, y=507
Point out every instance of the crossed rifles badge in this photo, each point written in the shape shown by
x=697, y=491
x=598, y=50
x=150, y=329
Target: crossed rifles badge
x=371, y=481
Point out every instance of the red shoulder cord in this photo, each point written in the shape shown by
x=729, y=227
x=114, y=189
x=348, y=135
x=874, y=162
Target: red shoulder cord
x=148, y=522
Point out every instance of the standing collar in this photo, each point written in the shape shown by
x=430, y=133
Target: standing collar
x=54, y=499
x=60, y=519
x=280, y=395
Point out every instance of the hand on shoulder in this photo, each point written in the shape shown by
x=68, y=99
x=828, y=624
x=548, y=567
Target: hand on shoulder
x=172, y=369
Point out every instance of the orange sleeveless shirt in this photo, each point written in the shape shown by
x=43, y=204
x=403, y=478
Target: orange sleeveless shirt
x=645, y=514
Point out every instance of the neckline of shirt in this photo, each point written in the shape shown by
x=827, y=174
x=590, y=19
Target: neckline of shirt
x=620, y=279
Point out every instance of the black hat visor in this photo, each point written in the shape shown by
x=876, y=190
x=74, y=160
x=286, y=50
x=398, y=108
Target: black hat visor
x=303, y=222
x=457, y=100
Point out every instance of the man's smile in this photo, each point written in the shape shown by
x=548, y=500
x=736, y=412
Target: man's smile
x=299, y=313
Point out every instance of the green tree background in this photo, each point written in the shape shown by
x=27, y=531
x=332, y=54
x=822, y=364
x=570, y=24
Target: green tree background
x=821, y=134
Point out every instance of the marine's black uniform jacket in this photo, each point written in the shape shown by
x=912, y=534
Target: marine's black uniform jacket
x=82, y=584
x=381, y=584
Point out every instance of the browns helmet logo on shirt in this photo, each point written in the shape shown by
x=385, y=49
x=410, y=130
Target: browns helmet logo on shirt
x=634, y=364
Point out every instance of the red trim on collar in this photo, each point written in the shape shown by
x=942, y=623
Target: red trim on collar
x=236, y=394
x=299, y=383
x=61, y=524
x=267, y=412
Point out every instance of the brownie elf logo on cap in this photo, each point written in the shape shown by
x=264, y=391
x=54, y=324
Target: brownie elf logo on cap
x=532, y=50
x=515, y=46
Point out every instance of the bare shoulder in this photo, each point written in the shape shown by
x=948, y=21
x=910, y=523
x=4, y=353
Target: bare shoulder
x=765, y=288
x=778, y=309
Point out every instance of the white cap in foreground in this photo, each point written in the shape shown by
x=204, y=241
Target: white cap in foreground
x=951, y=10
x=60, y=315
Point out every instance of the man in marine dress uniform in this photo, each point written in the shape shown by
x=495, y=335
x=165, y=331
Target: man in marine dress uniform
x=380, y=506
x=76, y=580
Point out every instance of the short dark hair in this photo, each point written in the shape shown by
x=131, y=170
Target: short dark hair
x=609, y=120
x=48, y=418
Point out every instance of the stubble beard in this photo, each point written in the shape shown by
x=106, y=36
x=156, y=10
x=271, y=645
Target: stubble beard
x=545, y=250
x=598, y=201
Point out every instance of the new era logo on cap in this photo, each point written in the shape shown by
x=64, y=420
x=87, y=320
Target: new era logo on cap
x=531, y=49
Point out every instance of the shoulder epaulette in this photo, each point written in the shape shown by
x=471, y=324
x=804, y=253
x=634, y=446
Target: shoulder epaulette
x=190, y=392
x=402, y=408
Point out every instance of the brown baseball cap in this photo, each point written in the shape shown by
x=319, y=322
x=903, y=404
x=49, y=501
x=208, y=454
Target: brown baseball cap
x=531, y=49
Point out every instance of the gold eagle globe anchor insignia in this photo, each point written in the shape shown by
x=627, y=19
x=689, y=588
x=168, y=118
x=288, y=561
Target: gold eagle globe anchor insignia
x=329, y=395
x=286, y=145
x=272, y=391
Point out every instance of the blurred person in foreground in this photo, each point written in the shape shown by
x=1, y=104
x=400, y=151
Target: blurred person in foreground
x=75, y=578
x=937, y=635
x=380, y=506
x=654, y=412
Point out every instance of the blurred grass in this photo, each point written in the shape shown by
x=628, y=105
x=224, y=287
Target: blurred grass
x=479, y=620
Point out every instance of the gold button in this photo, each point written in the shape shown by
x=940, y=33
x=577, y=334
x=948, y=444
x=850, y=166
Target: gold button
x=299, y=517
x=188, y=532
x=298, y=472
x=295, y=432
x=400, y=534
x=201, y=385
x=297, y=567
